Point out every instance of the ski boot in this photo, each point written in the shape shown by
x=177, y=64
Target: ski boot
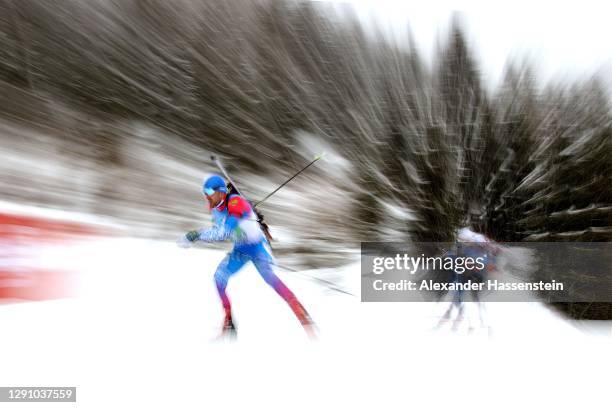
x=228, y=331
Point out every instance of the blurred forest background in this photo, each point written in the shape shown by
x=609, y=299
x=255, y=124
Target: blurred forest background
x=113, y=108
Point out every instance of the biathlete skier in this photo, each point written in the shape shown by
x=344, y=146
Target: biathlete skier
x=235, y=219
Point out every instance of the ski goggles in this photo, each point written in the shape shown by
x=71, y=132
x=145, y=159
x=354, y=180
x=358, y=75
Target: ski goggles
x=209, y=191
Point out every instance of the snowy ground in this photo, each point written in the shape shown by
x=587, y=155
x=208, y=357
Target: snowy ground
x=141, y=334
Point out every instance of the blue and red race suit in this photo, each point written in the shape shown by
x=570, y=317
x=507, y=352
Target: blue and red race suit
x=234, y=219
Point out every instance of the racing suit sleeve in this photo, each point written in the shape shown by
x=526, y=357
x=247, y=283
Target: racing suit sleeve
x=238, y=208
x=215, y=234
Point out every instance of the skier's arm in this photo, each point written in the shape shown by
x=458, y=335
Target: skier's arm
x=214, y=234
x=238, y=208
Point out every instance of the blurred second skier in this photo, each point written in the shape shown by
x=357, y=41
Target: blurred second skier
x=470, y=244
x=235, y=219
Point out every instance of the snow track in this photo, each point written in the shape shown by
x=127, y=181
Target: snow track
x=141, y=334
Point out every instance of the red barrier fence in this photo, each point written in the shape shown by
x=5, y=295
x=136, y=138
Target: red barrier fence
x=23, y=273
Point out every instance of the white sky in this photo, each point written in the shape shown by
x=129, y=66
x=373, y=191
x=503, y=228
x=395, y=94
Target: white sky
x=562, y=39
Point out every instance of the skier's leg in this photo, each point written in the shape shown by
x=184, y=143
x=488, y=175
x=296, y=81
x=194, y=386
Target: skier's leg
x=459, y=317
x=459, y=304
x=480, y=277
x=229, y=266
x=445, y=317
x=263, y=263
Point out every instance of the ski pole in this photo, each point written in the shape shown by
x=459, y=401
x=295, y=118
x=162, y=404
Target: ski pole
x=216, y=160
x=317, y=158
x=330, y=285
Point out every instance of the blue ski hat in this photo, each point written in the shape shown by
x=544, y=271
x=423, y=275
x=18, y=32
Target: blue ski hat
x=214, y=183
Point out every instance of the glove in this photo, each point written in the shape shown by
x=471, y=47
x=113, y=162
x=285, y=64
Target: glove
x=192, y=236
